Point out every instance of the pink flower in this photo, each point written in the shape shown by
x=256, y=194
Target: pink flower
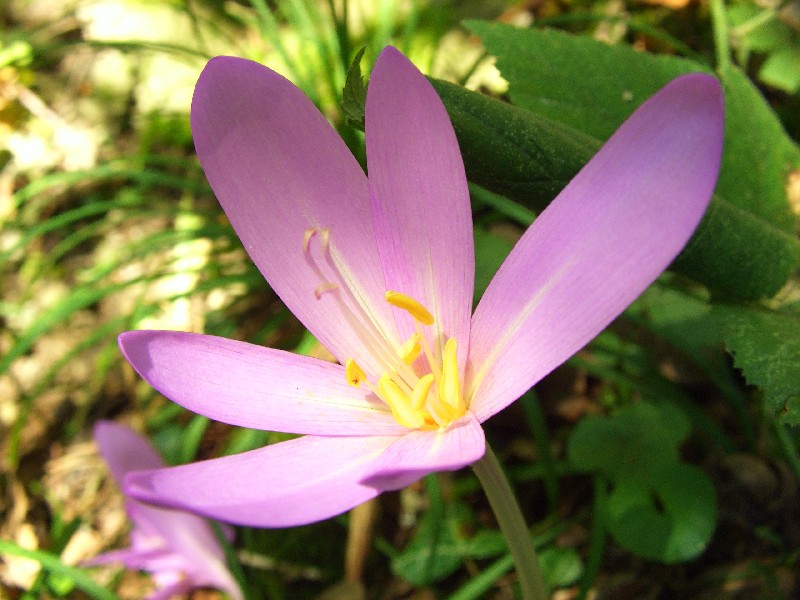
x=179, y=549
x=381, y=271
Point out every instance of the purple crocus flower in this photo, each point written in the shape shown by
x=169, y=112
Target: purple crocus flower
x=381, y=271
x=179, y=549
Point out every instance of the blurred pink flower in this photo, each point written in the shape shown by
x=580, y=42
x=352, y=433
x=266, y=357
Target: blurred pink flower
x=381, y=271
x=179, y=549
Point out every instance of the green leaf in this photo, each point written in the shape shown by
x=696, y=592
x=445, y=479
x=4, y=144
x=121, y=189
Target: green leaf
x=436, y=549
x=354, y=95
x=769, y=35
x=782, y=69
x=540, y=66
x=561, y=567
x=576, y=80
x=669, y=518
x=490, y=252
x=486, y=543
x=632, y=444
x=511, y=151
x=685, y=322
x=745, y=247
x=766, y=348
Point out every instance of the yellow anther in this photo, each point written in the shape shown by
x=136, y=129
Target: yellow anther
x=391, y=393
x=451, y=386
x=411, y=306
x=310, y=233
x=353, y=373
x=410, y=351
x=420, y=393
x=324, y=288
x=325, y=235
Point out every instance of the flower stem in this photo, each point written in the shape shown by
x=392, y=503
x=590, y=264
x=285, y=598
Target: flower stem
x=512, y=524
x=719, y=24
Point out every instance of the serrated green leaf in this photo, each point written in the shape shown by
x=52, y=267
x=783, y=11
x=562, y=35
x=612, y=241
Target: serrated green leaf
x=669, y=518
x=636, y=442
x=745, y=247
x=766, y=348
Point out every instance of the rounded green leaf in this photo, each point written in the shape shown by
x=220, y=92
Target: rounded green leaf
x=669, y=519
x=633, y=443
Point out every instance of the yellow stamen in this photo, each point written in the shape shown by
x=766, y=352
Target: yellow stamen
x=310, y=233
x=451, y=385
x=440, y=412
x=411, y=306
x=399, y=403
x=325, y=234
x=324, y=288
x=420, y=393
x=353, y=373
x=410, y=351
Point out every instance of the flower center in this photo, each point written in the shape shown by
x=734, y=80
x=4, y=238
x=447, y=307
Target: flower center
x=422, y=387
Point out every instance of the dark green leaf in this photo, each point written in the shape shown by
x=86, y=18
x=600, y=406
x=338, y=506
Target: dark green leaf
x=745, y=246
x=354, y=95
x=669, y=518
x=437, y=548
x=636, y=442
x=511, y=151
x=766, y=347
x=576, y=80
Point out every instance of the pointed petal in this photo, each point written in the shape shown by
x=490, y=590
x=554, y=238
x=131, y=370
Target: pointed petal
x=287, y=484
x=421, y=452
x=189, y=546
x=419, y=196
x=252, y=386
x=124, y=450
x=607, y=236
x=278, y=168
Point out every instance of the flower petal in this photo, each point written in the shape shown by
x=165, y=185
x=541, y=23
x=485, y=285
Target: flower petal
x=287, y=484
x=130, y=557
x=420, y=199
x=421, y=452
x=252, y=386
x=124, y=450
x=600, y=243
x=191, y=542
x=278, y=168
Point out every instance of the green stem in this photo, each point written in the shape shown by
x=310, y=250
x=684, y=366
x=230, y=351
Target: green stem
x=512, y=524
x=719, y=23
